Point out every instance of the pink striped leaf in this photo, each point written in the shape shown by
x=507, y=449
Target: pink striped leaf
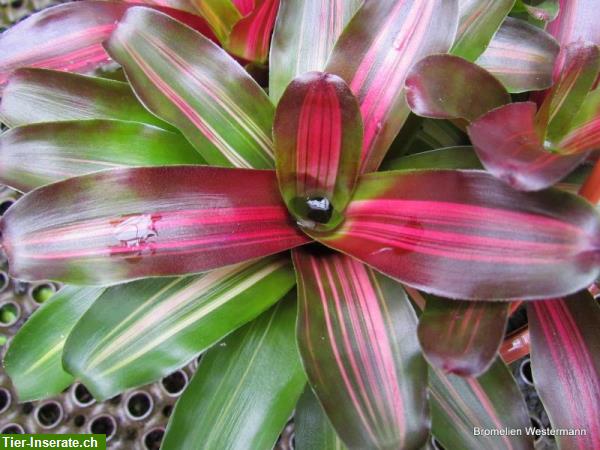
x=69, y=37
x=464, y=234
x=510, y=147
x=478, y=22
x=305, y=33
x=40, y=95
x=250, y=38
x=580, y=68
x=245, y=7
x=124, y=224
x=577, y=21
x=178, y=75
x=357, y=338
x=461, y=408
x=317, y=135
x=521, y=56
x=449, y=87
x=462, y=337
x=565, y=358
x=374, y=54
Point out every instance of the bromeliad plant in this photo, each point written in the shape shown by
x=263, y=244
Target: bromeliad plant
x=134, y=185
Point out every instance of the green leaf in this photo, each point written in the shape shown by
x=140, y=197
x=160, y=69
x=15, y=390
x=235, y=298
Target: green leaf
x=39, y=154
x=521, y=56
x=33, y=360
x=420, y=134
x=580, y=69
x=374, y=54
x=443, y=158
x=462, y=337
x=313, y=431
x=39, y=95
x=492, y=401
x=304, y=35
x=357, y=337
x=166, y=322
x=245, y=388
x=479, y=21
x=178, y=74
x=449, y=87
x=221, y=15
x=318, y=134
x=565, y=358
x=546, y=10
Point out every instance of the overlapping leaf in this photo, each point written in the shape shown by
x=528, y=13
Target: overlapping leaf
x=376, y=51
x=576, y=22
x=509, y=145
x=33, y=360
x=124, y=224
x=245, y=388
x=565, y=349
x=35, y=155
x=472, y=237
x=304, y=35
x=449, y=87
x=69, y=36
x=178, y=75
x=318, y=136
x=250, y=37
x=40, y=95
x=462, y=337
x=461, y=157
x=462, y=406
x=479, y=20
x=521, y=56
x=312, y=429
x=166, y=322
x=221, y=15
x=357, y=327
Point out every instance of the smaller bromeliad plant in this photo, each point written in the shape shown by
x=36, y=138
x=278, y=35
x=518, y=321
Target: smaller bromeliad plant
x=152, y=195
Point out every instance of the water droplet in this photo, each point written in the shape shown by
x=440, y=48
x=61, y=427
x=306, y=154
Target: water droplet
x=320, y=209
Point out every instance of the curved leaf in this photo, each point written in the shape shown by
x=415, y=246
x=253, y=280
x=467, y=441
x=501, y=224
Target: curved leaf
x=521, y=56
x=33, y=360
x=478, y=22
x=461, y=337
x=123, y=224
x=576, y=22
x=166, y=322
x=565, y=352
x=40, y=95
x=69, y=37
x=509, y=145
x=580, y=67
x=318, y=135
x=222, y=15
x=39, y=154
x=251, y=36
x=376, y=51
x=545, y=10
x=463, y=157
x=461, y=407
x=449, y=87
x=472, y=237
x=245, y=388
x=178, y=74
x=356, y=333
x=312, y=429
x=305, y=33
